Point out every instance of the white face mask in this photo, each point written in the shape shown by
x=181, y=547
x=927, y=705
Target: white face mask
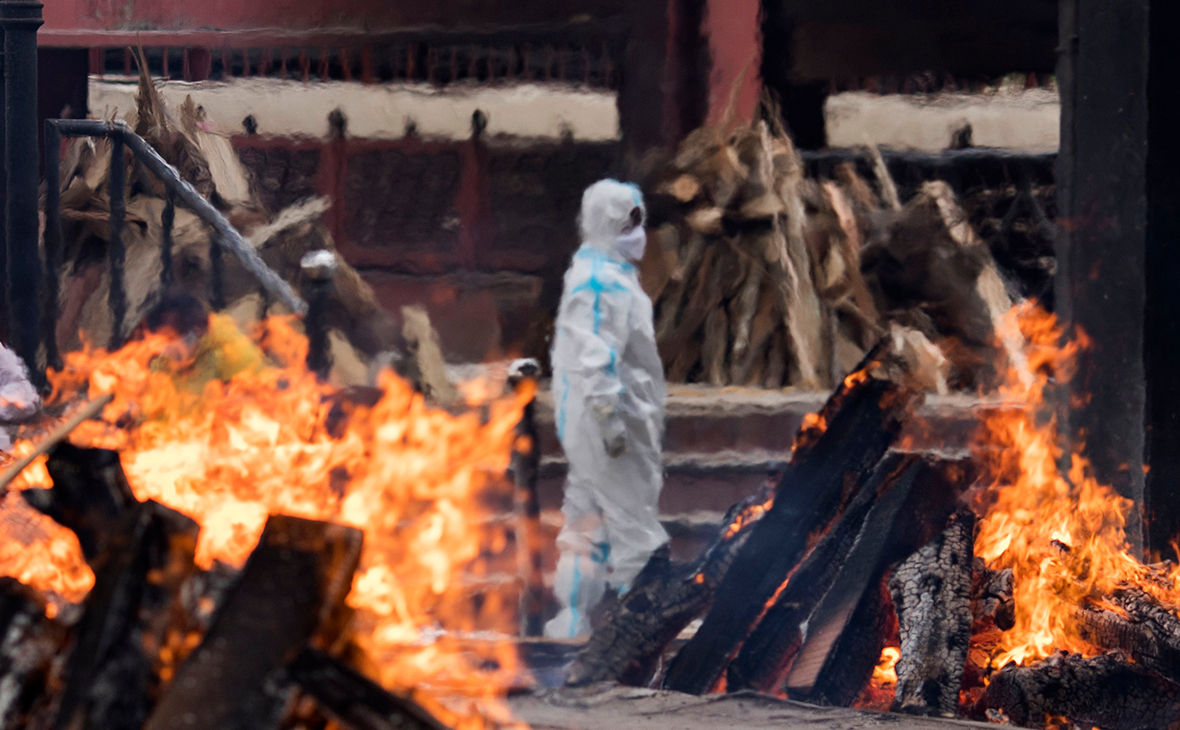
x=630, y=245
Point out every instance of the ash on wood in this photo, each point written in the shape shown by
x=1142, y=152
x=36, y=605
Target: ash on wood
x=296, y=578
x=1146, y=630
x=862, y=419
x=931, y=593
x=1108, y=691
x=665, y=598
x=992, y=601
x=354, y=700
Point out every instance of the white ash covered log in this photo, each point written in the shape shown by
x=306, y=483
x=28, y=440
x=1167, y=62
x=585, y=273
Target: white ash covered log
x=1108, y=691
x=1138, y=624
x=931, y=593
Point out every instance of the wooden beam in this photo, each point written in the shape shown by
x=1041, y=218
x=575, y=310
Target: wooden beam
x=1101, y=261
x=300, y=571
x=1162, y=335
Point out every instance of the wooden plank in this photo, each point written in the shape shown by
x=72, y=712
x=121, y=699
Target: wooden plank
x=911, y=514
x=1101, y=184
x=766, y=656
x=862, y=419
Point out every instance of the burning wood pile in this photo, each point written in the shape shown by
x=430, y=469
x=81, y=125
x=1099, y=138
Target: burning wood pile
x=991, y=587
x=267, y=552
x=764, y=277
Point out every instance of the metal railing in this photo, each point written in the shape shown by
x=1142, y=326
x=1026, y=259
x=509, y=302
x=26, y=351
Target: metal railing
x=224, y=237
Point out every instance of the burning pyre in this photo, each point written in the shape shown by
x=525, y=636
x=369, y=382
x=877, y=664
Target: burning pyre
x=275, y=440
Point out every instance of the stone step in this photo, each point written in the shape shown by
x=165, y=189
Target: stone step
x=711, y=420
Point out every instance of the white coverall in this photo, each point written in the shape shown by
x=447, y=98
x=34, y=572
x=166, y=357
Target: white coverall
x=609, y=394
x=18, y=397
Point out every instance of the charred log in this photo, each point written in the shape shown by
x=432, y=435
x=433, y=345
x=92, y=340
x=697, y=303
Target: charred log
x=992, y=603
x=847, y=630
x=140, y=552
x=292, y=584
x=931, y=593
x=862, y=419
x=113, y=674
x=1144, y=629
x=90, y=495
x=355, y=701
x=1108, y=691
x=665, y=598
x=766, y=655
x=28, y=645
x=855, y=652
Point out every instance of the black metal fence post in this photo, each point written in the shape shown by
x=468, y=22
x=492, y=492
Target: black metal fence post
x=52, y=243
x=526, y=467
x=319, y=270
x=167, y=220
x=216, y=273
x=20, y=20
x=115, y=253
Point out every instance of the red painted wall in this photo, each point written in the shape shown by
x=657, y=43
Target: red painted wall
x=733, y=30
x=67, y=21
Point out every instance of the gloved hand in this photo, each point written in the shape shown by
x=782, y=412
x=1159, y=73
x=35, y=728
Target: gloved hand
x=616, y=445
x=614, y=436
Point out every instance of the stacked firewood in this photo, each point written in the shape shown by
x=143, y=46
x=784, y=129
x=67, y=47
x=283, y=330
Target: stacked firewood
x=860, y=547
x=763, y=277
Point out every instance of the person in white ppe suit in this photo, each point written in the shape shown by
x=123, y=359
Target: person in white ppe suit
x=609, y=394
x=18, y=398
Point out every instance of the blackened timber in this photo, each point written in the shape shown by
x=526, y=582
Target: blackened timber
x=834, y=612
x=664, y=599
x=355, y=701
x=294, y=580
x=911, y=514
x=28, y=644
x=862, y=419
x=1102, y=200
x=1145, y=629
x=931, y=593
x=766, y=656
x=90, y=495
x=111, y=671
x=1108, y=691
x=992, y=601
x=111, y=678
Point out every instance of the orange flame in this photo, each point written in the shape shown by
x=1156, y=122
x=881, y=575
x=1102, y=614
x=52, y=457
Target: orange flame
x=1063, y=535
x=885, y=672
x=414, y=478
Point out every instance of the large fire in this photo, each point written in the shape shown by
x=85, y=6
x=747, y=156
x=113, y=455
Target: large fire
x=1063, y=535
x=414, y=478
